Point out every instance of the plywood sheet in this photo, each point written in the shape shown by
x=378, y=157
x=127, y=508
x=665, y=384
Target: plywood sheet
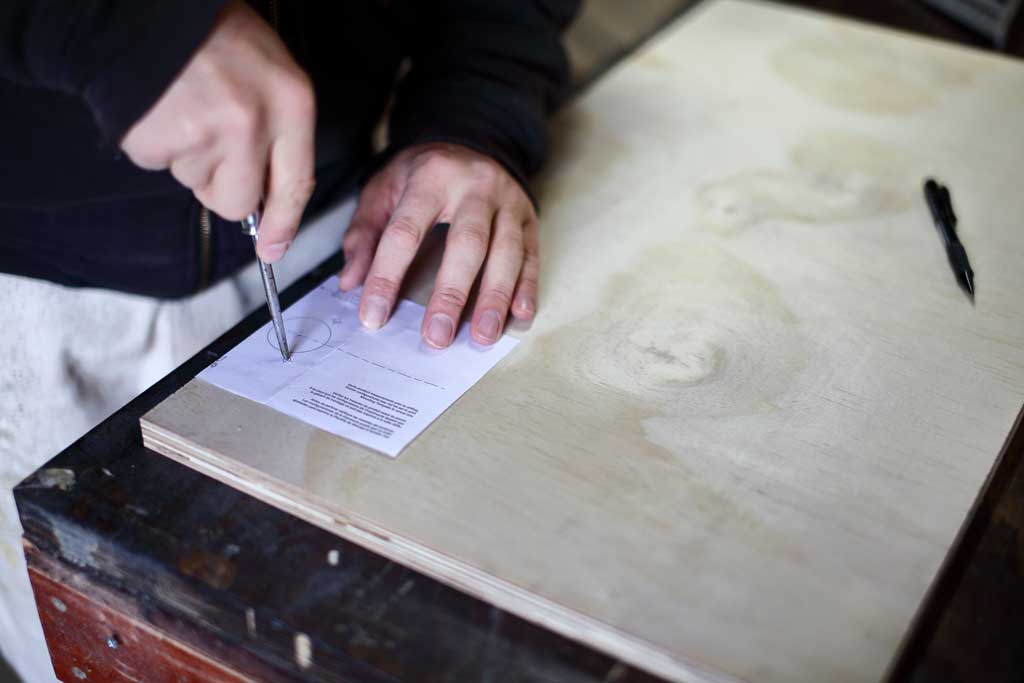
x=742, y=434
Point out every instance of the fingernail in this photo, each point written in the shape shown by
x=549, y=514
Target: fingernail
x=440, y=331
x=488, y=326
x=527, y=306
x=275, y=251
x=375, y=312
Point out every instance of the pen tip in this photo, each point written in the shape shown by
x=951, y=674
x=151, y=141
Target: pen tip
x=967, y=283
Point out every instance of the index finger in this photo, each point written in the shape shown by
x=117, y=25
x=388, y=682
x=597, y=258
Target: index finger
x=416, y=213
x=290, y=184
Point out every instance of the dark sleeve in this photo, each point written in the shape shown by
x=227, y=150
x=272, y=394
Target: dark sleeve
x=485, y=74
x=119, y=55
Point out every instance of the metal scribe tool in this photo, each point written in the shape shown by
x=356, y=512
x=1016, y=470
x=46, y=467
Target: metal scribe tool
x=251, y=226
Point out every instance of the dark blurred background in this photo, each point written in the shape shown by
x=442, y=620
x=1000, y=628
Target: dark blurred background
x=6, y=675
x=609, y=28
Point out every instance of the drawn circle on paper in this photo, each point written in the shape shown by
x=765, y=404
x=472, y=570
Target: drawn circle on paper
x=304, y=335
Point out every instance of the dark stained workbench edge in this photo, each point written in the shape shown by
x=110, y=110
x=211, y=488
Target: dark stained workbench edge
x=134, y=522
x=194, y=556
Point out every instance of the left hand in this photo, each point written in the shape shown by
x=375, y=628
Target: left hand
x=493, y=227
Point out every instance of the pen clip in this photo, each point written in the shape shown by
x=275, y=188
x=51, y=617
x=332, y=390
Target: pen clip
x=941, y=205
x=947, y=205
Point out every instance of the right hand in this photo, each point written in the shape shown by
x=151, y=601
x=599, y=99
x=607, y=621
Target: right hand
x=237, y=125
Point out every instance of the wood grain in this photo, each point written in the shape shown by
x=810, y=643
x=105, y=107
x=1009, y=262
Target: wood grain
x=743, y=433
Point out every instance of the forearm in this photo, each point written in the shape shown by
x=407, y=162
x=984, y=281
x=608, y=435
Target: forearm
x=119, y=55
x=486, y=75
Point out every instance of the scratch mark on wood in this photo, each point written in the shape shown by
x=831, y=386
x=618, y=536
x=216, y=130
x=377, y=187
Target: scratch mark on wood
x=250, y=621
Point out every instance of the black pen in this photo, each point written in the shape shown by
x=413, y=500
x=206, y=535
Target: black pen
x=941, y=206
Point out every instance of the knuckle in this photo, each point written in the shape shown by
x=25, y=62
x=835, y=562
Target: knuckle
x=531, y=253
x=301, y=190
x=439, y=165
x=486, y=173
x=194, y=135
x=382, y=284
x=228, y=209
x=500, y=294
x=403, y=232
x=528, y=278
x=297, y=93
x=353, y=238
x=242, y=119
x=511, y=241
x=450, y=296
x=440, y=153
x=239, y=179
x=472, y=237
x=292, y=81
x=148, y=159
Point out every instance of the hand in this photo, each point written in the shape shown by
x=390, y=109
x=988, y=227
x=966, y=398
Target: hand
x=237, y=122
x=492, y=225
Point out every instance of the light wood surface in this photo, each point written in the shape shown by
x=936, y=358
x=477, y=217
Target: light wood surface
x=755, y=408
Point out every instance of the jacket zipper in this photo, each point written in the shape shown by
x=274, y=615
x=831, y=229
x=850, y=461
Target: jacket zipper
x=204, y=247
x=205, y=231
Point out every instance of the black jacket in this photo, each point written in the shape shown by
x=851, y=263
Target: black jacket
x=76, y=74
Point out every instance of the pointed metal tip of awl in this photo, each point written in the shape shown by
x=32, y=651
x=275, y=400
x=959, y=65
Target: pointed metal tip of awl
x=968, y=285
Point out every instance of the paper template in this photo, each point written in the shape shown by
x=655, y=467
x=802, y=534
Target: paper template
x=379, y=389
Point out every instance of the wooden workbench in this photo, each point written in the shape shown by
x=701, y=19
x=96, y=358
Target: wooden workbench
x=144, y=554
x=126, y=548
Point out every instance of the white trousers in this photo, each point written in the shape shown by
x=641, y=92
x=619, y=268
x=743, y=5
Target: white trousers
x=71, y=357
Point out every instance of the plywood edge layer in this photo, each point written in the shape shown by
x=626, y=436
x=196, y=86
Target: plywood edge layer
x=950, y=557
x=451, y=571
